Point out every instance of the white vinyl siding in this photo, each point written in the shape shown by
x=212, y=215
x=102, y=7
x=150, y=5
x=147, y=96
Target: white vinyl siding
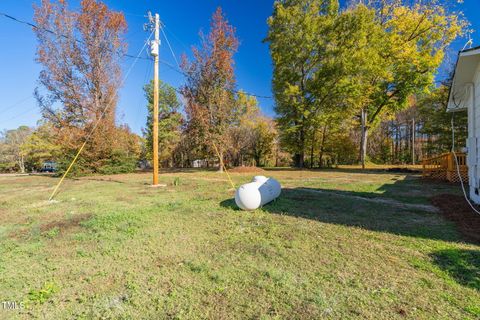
x=474, y=138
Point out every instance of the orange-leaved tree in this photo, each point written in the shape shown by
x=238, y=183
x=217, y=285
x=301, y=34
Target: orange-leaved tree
x=80, y=53
x=209, y=89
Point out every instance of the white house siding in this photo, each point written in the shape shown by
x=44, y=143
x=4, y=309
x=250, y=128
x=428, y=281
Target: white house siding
x=465, y=95
x=474, y=137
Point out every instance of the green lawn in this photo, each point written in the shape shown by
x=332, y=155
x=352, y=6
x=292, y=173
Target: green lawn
x=337, y=244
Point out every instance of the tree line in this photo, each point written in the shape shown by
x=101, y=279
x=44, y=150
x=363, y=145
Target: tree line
x=334, y=68
x=352, y=84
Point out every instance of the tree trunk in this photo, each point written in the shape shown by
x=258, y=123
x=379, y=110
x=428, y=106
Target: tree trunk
x=21, y=163
x=255, y=158
x=364, y=137
x=401, y=144
x=298, y=159
x=311, y=154
x=220, y=157
x=397, y=139
x=324, y=134
x=413, y=141
x=300, y=156
x=392, y=150
x=276, y=157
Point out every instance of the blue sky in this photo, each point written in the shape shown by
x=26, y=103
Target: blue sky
x=183, y=20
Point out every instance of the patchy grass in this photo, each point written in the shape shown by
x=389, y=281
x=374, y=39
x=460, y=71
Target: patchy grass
x=115, y=248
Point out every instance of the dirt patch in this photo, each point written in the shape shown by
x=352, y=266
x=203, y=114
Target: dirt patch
x=454, y=208
x=246, y=169
x=62, y=226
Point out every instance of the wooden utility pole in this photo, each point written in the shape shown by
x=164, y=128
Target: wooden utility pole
x=154, y=50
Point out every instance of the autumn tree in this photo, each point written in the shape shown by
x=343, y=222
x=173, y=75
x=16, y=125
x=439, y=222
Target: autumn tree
x=307, y=69
x=12, y=156
x=169, y=121
x=80, y=54
x=364, y=60
x=252, y=135
x=263, y=142
x=209, y=88
x=397, y=54
x=40, y=146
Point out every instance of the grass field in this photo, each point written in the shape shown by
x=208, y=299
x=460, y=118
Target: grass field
x=337, y=244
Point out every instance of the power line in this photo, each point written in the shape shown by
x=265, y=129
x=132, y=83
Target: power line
x=125, y=54
x=65, y=36
x=185, y=75
x=133, y=14
x=164, y=26
x=233, y=90
x=172, y=67
x=16, y=104
x=179, y=71
x=148, y=72
x=170, y=47
x=19, y=115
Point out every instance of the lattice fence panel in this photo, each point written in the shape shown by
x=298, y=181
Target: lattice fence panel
x=453, y=176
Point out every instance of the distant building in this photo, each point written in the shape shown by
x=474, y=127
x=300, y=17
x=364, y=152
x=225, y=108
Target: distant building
x=200, y=163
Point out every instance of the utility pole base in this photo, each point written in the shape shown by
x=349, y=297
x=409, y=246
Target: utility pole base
x=160, y=185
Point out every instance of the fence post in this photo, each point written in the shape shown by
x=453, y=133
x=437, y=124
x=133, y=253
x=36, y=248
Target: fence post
x=424, y=172
x=450, y=166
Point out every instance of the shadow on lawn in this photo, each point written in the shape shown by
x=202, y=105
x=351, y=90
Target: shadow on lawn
x=400, y=207
x=392, y=170
x=461, y=265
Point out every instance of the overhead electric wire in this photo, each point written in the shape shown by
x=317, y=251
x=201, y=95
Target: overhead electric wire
x=123, y=54
x=19, y=114
x=233, y=90
x=177, y=69
x=64, y=36
x=133, y=14
x=30, y=96
x=170, y=47
x=172, y=67
x=148, y=72
x=23, y=112
x=184, y=74
x=176, y=38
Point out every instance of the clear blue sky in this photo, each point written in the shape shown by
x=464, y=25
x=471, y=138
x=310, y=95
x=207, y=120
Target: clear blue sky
x=183, y=20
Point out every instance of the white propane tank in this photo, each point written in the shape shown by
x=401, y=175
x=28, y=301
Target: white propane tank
x=260, y=191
